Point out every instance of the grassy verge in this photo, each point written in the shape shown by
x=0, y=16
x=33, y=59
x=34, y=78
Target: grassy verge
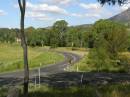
x=11, y=57
x=84, y=65
x=84, y=91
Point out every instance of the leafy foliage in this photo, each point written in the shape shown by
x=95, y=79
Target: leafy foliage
x=113, y=2
x=59, y=35
x=111, y=38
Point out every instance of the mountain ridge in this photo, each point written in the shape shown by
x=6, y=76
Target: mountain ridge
x=123, y=17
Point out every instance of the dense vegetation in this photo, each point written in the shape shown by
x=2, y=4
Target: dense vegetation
x=111, y=39
x=109, y=48
x=59, y=35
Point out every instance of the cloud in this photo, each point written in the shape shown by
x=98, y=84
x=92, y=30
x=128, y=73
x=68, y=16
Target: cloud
x=43, y=7
x=95, y=10
x=52, y=11
x=91, y=6
x=125, y=6
x=77, y=15
x=61, y=1
x=87, y=15
x=42, y=11
x=37, y=16
x=92, y=15
x=2, y=13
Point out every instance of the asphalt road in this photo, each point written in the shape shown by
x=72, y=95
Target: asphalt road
x=50, y=69
x=55, y=76
x=16, y=77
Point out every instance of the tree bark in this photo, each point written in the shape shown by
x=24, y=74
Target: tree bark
x=22, y=6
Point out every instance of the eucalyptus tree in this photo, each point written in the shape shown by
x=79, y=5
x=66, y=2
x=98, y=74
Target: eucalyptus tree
x=22, y=6
x=111, y=39
x=112, y=36
x=60, y=29
x=113, y=2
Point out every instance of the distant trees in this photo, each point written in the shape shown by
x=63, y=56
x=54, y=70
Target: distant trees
x=31, y=36
x=60, y=35
x=7, y=35
x=77, y=37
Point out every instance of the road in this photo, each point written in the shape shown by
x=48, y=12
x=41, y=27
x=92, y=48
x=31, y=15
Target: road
x=16, y=77
x=55, y=76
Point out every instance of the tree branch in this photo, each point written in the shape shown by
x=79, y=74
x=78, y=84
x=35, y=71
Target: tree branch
x=126, y=3
x=20, y=5
x=24, y=6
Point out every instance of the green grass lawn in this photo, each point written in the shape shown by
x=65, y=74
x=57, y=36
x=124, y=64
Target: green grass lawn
x=11, y=57
x=115, y=90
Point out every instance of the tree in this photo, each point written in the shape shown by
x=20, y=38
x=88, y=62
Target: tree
x=7, y=35
x=31, y=36
x=54, y=41
x=111, y=39
x=22, y=6
x=113, y=2
x=70, y=35
x=60, y=28
x=113, y=35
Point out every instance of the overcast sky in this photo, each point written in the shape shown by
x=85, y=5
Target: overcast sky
x=43, y=13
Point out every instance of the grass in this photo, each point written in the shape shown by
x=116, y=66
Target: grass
x=11, y=57
x=79, y=51
x=84, y=65
x=3, y=92
x=116, y=90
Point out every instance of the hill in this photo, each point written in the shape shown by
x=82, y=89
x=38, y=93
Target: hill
x=123, y=17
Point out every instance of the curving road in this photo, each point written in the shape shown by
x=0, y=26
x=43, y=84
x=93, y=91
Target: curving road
x=50, y=69
x=14, y=77
x=55, y=76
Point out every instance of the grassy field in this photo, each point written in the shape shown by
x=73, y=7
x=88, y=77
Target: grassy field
x=83, y=91
x=11, y=57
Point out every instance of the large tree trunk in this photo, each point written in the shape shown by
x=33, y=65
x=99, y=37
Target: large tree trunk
x=22, y=5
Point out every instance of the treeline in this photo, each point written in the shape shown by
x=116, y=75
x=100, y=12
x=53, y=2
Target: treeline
x=8, y=35
x=62, y=35
x=59, y=35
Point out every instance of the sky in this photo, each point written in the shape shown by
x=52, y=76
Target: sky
x=43, y=13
